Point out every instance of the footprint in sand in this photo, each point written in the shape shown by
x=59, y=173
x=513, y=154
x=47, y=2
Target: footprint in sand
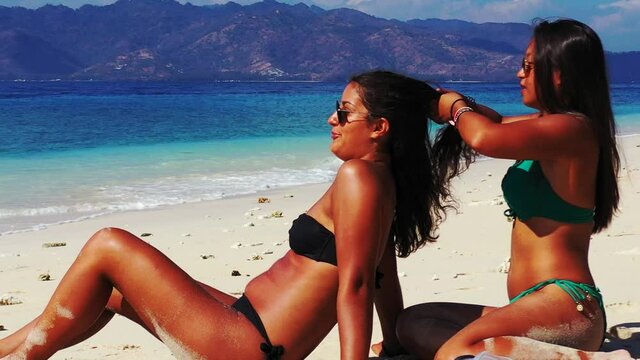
x=634, y=251
x=623, y=307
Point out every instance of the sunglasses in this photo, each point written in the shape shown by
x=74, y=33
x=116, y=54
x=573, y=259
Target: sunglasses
x=343, y=115
x=527, y=66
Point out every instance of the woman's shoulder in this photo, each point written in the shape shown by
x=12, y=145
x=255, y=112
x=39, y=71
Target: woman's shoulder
x=361, y=172
x=356, y=165
x=570, y=117
x=569, y=123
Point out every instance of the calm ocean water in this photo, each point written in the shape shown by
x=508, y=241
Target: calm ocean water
x=74, y=150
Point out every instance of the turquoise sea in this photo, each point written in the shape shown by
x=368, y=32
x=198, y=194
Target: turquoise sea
x=75, y=150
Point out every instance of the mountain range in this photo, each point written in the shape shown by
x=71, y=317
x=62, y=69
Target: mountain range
x=268, y=40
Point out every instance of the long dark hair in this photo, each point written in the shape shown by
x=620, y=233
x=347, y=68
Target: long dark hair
x=421, y=191
x=574, y=50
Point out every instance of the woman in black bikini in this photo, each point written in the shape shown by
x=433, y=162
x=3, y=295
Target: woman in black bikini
x=562, y=193
x=387, y=199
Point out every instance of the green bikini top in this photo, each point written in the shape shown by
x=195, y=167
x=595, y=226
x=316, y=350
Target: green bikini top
x=529, y=194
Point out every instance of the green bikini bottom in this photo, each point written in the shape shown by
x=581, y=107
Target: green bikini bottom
x=578, y=291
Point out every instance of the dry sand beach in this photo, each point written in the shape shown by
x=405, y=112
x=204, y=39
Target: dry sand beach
x=212, y=239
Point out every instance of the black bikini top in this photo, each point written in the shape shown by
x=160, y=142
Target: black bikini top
x=309, y=238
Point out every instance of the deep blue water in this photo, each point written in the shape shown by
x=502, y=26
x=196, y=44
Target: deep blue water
x=71, y=150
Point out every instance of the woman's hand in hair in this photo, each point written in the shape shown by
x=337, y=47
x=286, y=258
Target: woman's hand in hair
x=445, y=106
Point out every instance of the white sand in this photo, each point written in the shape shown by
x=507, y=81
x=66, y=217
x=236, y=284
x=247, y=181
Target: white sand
x=462, y=266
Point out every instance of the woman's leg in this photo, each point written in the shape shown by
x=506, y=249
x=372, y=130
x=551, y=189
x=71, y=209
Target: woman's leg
x=423, y=328
x=116, y=305
x=11, y=342
x=166, y=300
x=548, y=315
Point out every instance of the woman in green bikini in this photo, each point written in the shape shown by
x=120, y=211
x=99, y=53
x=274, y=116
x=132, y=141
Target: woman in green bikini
x=559, y=196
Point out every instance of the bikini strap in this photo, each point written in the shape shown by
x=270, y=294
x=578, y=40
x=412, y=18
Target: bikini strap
x=273, y=352
x=577, y=291
x=243, y=305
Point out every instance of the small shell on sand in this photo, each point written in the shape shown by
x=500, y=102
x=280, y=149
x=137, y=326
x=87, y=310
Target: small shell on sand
x=44, y=277
x=235, y=273
x=288, y=196
x=207, y=256
x=145, y=234
x=262, y=200
x=2, y=328
x=505, y=265
x=402, y=274
x=54, y=244
x=255, y=257
x=277, y=243
x=249, y=224
x=186, y=235
x=236, y=245
x=7, y=299
x=276, y=214
x=256, y=244
x=435, y=277
x=267, y=252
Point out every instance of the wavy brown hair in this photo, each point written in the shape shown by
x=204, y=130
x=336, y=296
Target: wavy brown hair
x=422, y=190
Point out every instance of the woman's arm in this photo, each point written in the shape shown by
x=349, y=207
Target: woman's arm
x=496, y=117
x=388, y=301
x=360, y=226
x=491, y=114
x=547, y=137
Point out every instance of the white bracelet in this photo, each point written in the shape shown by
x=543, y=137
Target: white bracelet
x=458, y=113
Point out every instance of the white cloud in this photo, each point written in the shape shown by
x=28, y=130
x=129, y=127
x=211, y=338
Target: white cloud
x=507, y=10
x=356, y=3
x=605, y=22
x=629, y=5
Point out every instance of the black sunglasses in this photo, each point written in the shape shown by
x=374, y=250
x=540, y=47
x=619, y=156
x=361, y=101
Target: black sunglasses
x=527, y=66
x=343, y=115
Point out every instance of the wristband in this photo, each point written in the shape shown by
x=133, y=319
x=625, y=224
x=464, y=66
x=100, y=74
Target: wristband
x=453, y=103
x=458, y=113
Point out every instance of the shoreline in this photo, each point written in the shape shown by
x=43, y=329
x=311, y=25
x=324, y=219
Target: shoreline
x=165, y=207
x=462, y=266
x=39, y=226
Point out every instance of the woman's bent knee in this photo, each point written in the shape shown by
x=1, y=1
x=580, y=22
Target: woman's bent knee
x=108, y=240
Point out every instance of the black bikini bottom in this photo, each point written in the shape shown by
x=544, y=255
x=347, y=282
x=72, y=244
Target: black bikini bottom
x=244, y=306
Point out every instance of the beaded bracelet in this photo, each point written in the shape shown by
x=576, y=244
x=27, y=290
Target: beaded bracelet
x=458, y=113
x=471, y=102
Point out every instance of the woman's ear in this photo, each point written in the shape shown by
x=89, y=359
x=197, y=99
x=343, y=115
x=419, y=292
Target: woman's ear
x=381, y=128
x=557, y=79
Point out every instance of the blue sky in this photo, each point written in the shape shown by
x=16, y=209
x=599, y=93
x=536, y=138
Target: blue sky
x=616, y=21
